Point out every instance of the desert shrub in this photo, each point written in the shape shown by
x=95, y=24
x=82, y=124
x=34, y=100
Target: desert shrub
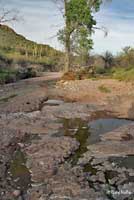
x=24, y=73
x=83, y=74
x=80, y=74
x=100, y=70
x=126, y=57
x=4, y=61
x=10, y=76
x=7, y=76
x=23, y=63
x=68, y=76
x=123, y=74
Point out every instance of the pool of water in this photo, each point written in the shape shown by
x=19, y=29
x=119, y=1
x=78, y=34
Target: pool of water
x=20, y=174
x=79, y=130
x=127, y=161
x=87, y=133
x=101, y=126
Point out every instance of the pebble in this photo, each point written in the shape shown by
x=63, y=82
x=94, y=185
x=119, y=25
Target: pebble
x=16, y=193
x=131, y=174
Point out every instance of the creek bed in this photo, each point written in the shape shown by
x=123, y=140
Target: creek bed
x=87, y=133
x=114, y=176
x=20, y=174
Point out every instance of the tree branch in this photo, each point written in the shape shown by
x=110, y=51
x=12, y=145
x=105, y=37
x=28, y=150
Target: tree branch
x=8, y=16
x=102, y=28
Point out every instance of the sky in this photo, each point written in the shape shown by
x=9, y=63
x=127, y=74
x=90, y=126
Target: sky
x=42, y=19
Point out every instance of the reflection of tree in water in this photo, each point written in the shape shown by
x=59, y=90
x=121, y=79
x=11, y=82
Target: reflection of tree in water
x=79, y=130
x=131, y=111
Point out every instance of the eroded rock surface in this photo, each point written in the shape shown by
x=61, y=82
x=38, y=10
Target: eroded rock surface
x=116, y=96
x=24, y=103
x=124, y=133
x=45, y=156
x=34, y=126
x=119, y=142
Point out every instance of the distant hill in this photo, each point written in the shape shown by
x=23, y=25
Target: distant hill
x=18, y=48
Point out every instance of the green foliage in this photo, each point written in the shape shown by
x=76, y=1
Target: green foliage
x=4, y=61
x=24, y=73
x=119, y=73
x=125, y=58
x=80, y=22
x=122, y=65
x=124, y=74
x=103, y=72
x=100, y=70
x=82, y=44
x=79, y=13
x=16, y=48
x=9, y=75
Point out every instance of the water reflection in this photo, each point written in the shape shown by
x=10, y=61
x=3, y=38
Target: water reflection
x=87, y=133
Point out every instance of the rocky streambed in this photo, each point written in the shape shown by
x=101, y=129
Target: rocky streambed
x=53, y=149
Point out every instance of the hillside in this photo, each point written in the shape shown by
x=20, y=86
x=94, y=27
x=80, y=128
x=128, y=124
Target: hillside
x=18, y=48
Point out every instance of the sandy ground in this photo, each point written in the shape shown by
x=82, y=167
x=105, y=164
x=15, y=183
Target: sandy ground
x=115, y=95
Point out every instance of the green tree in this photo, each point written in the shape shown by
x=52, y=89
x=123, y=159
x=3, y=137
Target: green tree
x=79, y=25
x=81, y=45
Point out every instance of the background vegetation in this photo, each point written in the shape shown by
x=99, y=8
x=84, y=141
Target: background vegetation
x=21, y=58
x=120, y=66
x=18, y=49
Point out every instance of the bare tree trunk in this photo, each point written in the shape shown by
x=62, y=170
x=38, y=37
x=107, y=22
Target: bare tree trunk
x=68, y=54
x=26, y=51
x=40, y=52
x=67, y=41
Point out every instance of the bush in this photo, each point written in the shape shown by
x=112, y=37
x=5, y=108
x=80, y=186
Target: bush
x=7, y=76
x=68, y=76
x=83, y=73
x=4, y=61
x=123, y=74
x=10, y=76
x=100, y=70
x=25, y=73
x=23, y=63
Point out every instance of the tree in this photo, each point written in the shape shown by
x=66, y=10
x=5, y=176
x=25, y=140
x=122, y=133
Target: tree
x=126, y=50
x=81, y=45
x=126, y=57
x=79, y=25
x=108, y=59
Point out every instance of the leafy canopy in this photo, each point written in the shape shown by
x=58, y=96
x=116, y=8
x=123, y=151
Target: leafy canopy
x=80, y=23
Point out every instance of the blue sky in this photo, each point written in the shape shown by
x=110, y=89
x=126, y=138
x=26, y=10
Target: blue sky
x=42, y=20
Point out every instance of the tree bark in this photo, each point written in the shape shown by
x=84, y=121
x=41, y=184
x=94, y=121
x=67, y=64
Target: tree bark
x=68, y=54
x=67, y=41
